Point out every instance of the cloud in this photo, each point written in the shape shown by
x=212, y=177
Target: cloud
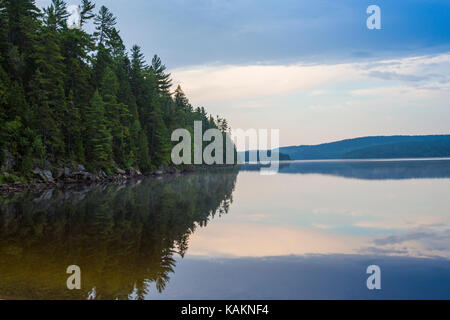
x=259, y=240
x=228, y=83
x=402, y=238
x=396, y=76
x=424, y=242
x=381, y=251
x=245, y=83
x=327, y=102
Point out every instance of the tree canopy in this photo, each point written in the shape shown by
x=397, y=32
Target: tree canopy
x=70, y=96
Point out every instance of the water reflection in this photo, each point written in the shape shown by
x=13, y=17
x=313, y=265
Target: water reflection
x=124, y=238
x=385, y=208
x=309, y=232
x=366, y=169
x=331, y=276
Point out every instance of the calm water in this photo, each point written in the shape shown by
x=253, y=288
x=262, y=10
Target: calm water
x=309, y=232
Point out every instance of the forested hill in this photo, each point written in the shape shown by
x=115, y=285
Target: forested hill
x=375, y=147
x=67, y=96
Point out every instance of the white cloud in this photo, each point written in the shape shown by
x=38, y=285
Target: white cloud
x=231, y=83
x=321, y=103
x=228, y=83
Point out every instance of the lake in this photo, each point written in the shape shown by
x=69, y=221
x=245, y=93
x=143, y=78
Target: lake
x=308, y=232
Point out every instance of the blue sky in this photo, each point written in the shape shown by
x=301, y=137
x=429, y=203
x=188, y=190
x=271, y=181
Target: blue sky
x=310, y=68
x=194, y=32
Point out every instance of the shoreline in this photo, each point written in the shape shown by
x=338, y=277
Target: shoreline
x=87, y=179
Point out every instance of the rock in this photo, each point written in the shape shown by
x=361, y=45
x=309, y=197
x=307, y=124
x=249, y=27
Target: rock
x=159, y=173
x=88, y=176
x=132, y=172
x=173, y=170
x=45, y=175
x=67, y=172
x=10, y=161
x=102, y=175
x=58, y=173
x=83, y=175
x=81, y=168
x=120, y=171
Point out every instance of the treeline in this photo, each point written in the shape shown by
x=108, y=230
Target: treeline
x=70, y=96
x=374, y=147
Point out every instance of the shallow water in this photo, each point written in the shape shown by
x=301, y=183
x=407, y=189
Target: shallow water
x=309, y=232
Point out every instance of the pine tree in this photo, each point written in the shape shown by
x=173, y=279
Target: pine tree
x=143, y=152
x=117, y=116
x=4, y=84
x=43, y=115
x=67, y=95
x=22, y=18
x=87, y=8
x=137, y=77
x=159, y=138
x=60, y=14
x=163, y=79
x=50, y=73
x=72, y=130
x=104, y=22
x=98, y=140
x=4, y=44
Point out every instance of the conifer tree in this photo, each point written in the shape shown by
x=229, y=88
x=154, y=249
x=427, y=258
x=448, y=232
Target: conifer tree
x=87, y=9
x=22, y=18
x=117, y=116
x=60, y=14
x=163, y=79
x=98, y=140
x=104, y=22
x=70, y=96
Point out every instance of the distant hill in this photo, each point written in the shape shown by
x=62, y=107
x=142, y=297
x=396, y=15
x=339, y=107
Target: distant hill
x=374, y=148
x=247, y=155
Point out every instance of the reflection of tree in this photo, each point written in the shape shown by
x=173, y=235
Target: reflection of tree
x=124, y=238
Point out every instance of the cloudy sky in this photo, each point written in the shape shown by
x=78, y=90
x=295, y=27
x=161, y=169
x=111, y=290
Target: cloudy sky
x=309, y=68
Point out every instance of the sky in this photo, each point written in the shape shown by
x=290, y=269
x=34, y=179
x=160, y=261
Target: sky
x=311, y=69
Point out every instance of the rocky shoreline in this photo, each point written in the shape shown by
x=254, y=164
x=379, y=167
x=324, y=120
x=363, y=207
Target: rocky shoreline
x=66, y=177
x=63, y=177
